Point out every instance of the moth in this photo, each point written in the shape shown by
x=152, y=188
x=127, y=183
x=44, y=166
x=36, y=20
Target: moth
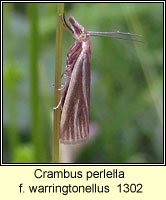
x=75, y=100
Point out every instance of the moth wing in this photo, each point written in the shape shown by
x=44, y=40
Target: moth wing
x=75, y=110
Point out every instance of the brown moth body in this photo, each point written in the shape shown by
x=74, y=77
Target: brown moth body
x=75, y=98
x=76, y=92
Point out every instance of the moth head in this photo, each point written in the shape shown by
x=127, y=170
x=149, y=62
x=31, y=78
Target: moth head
x=78, y=31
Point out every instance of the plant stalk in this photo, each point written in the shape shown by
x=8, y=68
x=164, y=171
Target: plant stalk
x=57, y=94
x=34, y=80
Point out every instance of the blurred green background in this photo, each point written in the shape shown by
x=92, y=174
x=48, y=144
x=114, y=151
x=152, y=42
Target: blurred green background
x=126, y=87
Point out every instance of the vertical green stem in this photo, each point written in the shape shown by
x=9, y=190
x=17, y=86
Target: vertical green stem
x=7, y=16
x=11, y=81
x=34, y=87
x=58, y=63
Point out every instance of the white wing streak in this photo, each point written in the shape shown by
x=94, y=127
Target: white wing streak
x=70, y=89
x=75, y=112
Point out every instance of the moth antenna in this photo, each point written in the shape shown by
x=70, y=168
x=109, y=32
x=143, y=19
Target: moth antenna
x=112, y=33
x=120, y=38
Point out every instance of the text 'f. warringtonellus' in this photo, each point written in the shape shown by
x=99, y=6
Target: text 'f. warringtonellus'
x=75, y=98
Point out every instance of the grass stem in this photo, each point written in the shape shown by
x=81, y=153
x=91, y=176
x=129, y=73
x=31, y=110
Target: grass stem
x=58, y=64
x=34, y=80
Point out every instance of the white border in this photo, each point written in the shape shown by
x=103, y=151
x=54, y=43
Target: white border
x=73, y=164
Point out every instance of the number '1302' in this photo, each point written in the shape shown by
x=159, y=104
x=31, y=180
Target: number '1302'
x=133, y=188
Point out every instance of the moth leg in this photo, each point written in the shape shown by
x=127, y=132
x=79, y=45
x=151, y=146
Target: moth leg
x=65, y=73
x=62, y=88
x=62, y=74
x=59, y=104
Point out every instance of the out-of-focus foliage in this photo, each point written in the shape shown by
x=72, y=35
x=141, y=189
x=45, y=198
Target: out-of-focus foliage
x=126, y=85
